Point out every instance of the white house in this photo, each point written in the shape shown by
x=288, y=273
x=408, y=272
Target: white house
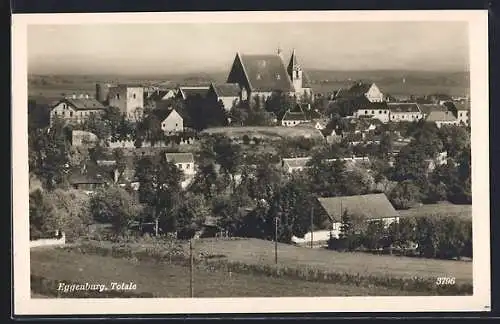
x=373, y=207
x=172, y=123
x=404, y=112
x=291, y=165
x=76, y=109
x=292, y=118
x=380, y=112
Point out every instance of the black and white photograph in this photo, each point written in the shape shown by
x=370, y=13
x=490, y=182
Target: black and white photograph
x=251, y=162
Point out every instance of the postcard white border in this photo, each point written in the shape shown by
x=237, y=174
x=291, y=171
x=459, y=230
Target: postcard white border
x=480, y=301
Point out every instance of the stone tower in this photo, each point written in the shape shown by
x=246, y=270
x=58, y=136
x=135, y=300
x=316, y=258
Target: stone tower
x=295, y=72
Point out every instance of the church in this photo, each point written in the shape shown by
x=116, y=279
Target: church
x=264, y=74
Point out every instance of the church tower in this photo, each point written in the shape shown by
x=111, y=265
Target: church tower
x=295, y=72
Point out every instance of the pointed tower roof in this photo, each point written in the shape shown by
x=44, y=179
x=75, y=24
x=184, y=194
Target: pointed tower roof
x=294, y=65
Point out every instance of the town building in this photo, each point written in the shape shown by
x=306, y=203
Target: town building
x=369, y=91
x=441, y=118
x=259, y=76
x=129, y=99
x=186, y=92
x=428, y=108
x=378, y=111
x=461, y=110
x=291, y=165
x=171, y=121
x=227, y=93
x=404, y=112
x=75, y=110
x=88, y=178
x=372, y=207
x=185, y=163
x=293, y=118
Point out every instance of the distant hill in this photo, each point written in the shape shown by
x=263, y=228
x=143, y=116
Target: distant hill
x=323, y=81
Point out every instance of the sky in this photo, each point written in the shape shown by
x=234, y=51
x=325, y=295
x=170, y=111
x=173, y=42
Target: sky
x=210, y=47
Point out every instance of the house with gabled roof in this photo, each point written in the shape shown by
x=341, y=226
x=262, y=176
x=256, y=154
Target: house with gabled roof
x=372, y=207
x=441, y=118
x=461, y=110
x=428, y=108
x=193, y=91
x=160, y=95
x=369, y=91
x=227, y=93
x=375, y=110
x=293, y=118
x=261, y=75
x=404, y=112
x=75, y=110
x=171, y=121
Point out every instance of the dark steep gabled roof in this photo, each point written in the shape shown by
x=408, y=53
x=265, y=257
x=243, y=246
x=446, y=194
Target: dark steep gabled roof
x=266, y=73
x=359, y=89
x=227, y=89
x=371, y=206
x=194, y=91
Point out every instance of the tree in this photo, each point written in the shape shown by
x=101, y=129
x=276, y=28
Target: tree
x=98, y=126
x=114, y=205
x=42, y=214
x=73, y=212
x=160, y=188
x=228, y=155
x=405, y=194
x=402, y=233
x=205, y=181
x=49, y=154
x=191, y=215
x=374, y=234
x=119, y=157
x=351, y=228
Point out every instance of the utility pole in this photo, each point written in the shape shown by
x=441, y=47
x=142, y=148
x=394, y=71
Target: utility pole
x=191, y=283
x=312, y=213
x=276, y=240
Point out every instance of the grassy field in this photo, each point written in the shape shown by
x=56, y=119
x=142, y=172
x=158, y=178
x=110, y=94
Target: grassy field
x=170, y=280
x=273, y=133
x=254, y=251
x=442, y=209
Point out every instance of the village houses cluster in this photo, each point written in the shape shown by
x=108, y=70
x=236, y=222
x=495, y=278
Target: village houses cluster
x=259, y=76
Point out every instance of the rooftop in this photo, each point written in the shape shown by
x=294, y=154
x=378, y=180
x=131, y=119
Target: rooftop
x=83, y=103
x=371, y=206
x=227, y=89
x=180, y=157
x=440, y=116
x=404, y=107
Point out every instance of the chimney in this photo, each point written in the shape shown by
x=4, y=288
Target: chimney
x=86, y=96
x=73, y=96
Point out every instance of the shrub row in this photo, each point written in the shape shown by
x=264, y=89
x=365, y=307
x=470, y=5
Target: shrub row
x=416, y=284
x=218, y=262
x=49, y=287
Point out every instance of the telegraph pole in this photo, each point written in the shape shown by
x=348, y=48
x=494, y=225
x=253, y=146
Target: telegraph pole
x=312, y=213
x=276, y=240
x=191, y=281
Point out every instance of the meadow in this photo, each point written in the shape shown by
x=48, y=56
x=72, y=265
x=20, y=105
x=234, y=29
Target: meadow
x=441, y=209
x=270, y=133
x=172, y=280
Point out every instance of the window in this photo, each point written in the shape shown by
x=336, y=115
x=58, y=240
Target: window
x=187, y=166
x=373, y=112
x=380, y=111
x=278, y=77
x=118, y=96
x=64, y=106
x=258, y=76
x=70, y=114
x=297, y=74
x=176, y=124
x=163, y=125
x=133, y=95
x=366, y=112
x=385, y=111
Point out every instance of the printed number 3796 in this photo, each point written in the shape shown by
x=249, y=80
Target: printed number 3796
x=440, y=281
